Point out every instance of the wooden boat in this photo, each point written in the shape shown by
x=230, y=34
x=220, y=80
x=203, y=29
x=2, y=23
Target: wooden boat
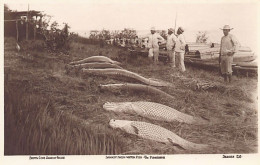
x=243, y=61
x=252, y=64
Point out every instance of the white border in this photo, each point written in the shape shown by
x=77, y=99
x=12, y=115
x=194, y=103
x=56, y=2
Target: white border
x=101, y=159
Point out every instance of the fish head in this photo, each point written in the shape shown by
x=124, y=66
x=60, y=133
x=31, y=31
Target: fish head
x=119, y=123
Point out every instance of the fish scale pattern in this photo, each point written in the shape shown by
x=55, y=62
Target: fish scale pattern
x=154, y=132
x=161, y=112
x=151, y=131
x=158, y=133
x=152, y=110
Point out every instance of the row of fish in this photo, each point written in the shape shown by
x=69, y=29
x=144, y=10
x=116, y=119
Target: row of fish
x=150, y=110
x=101, y=65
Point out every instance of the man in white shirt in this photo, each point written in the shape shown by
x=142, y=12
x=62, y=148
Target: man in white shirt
x=180, y=49
x=170, y=46
x=153, y=45
x=228, y=47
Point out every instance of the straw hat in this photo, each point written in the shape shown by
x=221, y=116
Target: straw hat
x=153, y=28
x=227, y=27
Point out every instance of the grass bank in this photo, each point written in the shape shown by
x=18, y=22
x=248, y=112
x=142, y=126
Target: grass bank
x=48, y=111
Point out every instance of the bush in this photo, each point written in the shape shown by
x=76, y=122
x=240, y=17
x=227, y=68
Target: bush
x=55, y=38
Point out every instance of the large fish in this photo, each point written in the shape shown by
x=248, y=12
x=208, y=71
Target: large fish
x=128, y=74
x=95, y=59
x=153, y=111
x=94, y=65
x=136, y=87
x=156, y=133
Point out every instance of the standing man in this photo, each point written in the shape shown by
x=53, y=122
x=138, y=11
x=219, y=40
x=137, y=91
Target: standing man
x=180, y=49
x=170, y=45
x=153, y=45
x=228, y=47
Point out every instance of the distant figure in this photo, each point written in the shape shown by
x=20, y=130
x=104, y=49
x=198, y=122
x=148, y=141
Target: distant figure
x=114, y=42
x=136, y=40
x=180, y=49
x=18, y=48
x=228, y=47
x=187, y=49
x=170, y=46
x=153, y=46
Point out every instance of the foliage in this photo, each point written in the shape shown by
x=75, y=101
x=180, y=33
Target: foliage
x=202, y=37
x=55, y=38
x=127, y=33
x=104, y=34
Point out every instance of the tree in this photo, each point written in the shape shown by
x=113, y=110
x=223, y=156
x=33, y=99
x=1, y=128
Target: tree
x=128, y=33
x=54, y=37
x=105, y=34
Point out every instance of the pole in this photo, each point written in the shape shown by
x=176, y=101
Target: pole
x=175, y=23
x=34, y=29
x=27, y=24
x=17, y=31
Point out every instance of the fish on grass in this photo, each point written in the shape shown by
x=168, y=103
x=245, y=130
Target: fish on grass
x=128, y=74
x=95, y=59
x=136, y=87
x=156, y=133
x=96, y=65
x=154, y=111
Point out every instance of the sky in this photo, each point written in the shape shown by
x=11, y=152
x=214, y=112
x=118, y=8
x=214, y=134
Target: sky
x=116, y=15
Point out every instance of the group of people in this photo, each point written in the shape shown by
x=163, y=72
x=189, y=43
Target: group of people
x=175, y=45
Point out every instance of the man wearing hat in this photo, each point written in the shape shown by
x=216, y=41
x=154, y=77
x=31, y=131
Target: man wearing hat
x=153, y=45
x=180, y=49
x=228, y=47
x=170, y=45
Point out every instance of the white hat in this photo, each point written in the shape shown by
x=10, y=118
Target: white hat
x=227, y=27
x=181, y=29
x=171, y=29
x=153, y=28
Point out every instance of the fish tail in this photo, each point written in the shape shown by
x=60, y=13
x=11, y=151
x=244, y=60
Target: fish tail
x=196, y=147
x=112, y=106
x=187, y=145
x=200, y=121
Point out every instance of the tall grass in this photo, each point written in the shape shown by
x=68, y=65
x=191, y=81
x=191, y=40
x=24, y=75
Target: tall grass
x=34, y=126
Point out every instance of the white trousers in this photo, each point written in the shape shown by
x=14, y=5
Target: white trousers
x=180, y=61
x=154, y=52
